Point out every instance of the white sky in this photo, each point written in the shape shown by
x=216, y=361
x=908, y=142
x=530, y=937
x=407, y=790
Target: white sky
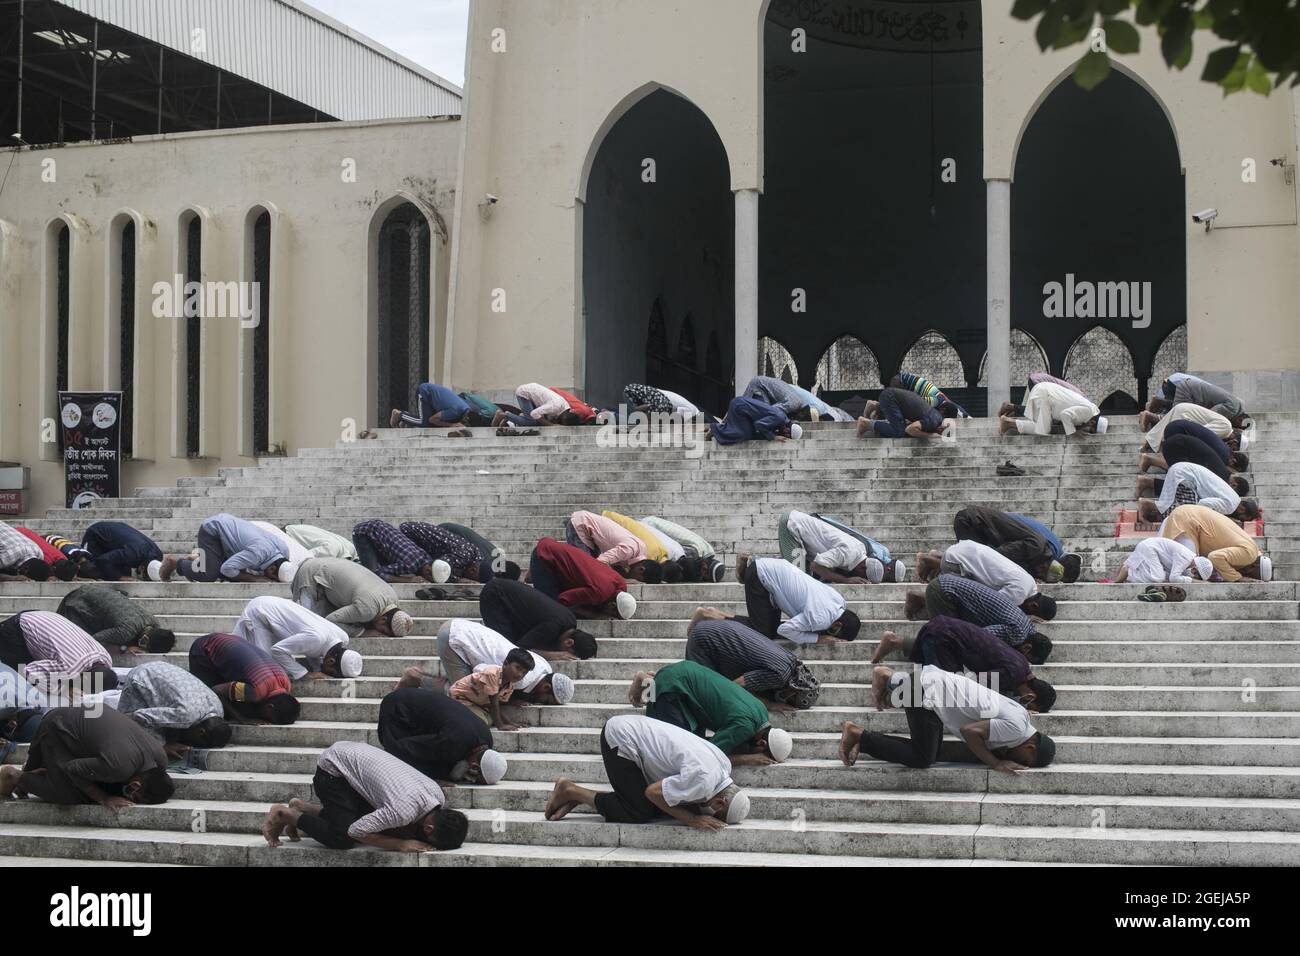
x=430, y=32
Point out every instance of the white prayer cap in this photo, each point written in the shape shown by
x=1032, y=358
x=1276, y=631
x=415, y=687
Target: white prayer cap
x=562, y=686
x=738, y=809
x=492, y=766
x=400, y=623
x=1265, y=568
x=796, y=431
x=779, y=743
x=287, y=572
x=1245, y=441
x=647, y=692
x=900, y=571
x=875, y=571
x=155, y=570
x=441, y=572
x=1204, y=568
x=1102, y=424
x=350, y=664
x=626, y=604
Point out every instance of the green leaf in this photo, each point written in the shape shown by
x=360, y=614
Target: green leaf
x=1148, y=12
x=1121, y=36
x=1092, y=69
x=1220, y=63
x=1257, y=79
x=1176, y=43
x=1049, y=26
x=1203, y=20
x=1028, y=9
x=1108, y=8
x=1231, y=27
x=1072, y=32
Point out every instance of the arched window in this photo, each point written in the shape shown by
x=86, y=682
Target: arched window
x=656, y=338
x=775, y=361
x=255, y=333
x=686, y=344
x=1170, y=358
x=934, y=358
x=1101, y=364
x=404, y=305
x=847, y=364
x=1027, y=357
x=120, y=341
x=56, y=305
x=191, y=324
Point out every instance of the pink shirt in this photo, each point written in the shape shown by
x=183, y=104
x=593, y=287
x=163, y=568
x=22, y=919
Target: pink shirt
x=547, y=403
x=614, y=543
x=481, y=686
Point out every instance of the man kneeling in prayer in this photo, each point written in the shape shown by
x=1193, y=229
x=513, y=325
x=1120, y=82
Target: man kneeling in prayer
x=995, y=729
x=657, y=769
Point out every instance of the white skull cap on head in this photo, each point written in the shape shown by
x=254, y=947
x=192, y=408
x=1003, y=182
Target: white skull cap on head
x=900, y=571
x=401, y=623
x=562, y=687
x=155, y=570
x=738, y=809
x=1265, y=568
x=441, y=572
x=1204, y=568
x=492, y=766
x=626, y=604
x=1102, y=425
x=350, y=664
x=875, y=571
x=287, y=572
x=779, y=744
x=796, y=431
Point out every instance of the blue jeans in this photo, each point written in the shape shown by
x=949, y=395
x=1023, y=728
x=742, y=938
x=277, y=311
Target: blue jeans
x=895, y=425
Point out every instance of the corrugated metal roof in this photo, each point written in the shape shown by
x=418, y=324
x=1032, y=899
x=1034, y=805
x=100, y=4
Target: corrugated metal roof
x=287, y=46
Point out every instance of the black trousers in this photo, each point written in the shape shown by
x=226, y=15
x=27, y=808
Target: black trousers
x=919, y=749
x=213, y=558
x=434, y=755
x=13, y=646
x=366, y=552
x=760, y=613
x=341, y=806
x=628, y=803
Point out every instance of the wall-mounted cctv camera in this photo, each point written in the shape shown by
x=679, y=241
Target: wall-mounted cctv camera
x=491, y=200
x=485, y=207
x=1206, y=216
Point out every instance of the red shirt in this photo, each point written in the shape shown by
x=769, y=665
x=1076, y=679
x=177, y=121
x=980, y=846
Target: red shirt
x=587, y=582
x=49, y=552
x=576, y=405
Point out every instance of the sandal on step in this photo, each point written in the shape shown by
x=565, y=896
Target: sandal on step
x=1162, y=593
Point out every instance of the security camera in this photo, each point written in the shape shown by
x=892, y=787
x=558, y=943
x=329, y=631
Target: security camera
x=490, y=200
x=1205, y=215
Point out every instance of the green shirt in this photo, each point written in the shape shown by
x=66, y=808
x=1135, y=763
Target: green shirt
x=711, y=702
x=106, y=614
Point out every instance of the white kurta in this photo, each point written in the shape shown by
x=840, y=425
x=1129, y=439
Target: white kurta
x=1049, y=402
x=297, y=553
x=322, y=543
x=1211, y=490
x=1159, y=561
x=981, y=563
x=825, y=544
x=287, y=631
x=1187, y=412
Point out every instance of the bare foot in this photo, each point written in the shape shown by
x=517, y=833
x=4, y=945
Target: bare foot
x=561, y=801
x=395, y=418
x=850, y=740
x=411, y=677
x=863, y=425
x=168, y=567
x=880, y=687
x=1006, y=425
x=1144, y=465
x=1006, y=410
x=889, y=642
x=742, y=565
x=274, y=824
x=8, y=780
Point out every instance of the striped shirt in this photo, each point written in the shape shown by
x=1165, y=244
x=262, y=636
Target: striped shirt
x=402, y=557
x=990, y=609
x=439, y=543
x=69, y=549
x=58, y=646
x=256, y=676
x=400, y=794
x=734, y=650
x=15, y=549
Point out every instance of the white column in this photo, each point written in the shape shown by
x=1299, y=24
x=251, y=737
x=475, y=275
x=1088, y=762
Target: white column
x=746, y=287
x=998, y=250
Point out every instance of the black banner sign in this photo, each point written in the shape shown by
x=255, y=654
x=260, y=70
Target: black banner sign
x=92, y=446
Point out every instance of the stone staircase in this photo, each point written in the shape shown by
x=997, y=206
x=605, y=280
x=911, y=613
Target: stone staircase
x=1178, y=725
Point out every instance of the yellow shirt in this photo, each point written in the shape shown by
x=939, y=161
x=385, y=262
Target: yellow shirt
x=654, y=551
